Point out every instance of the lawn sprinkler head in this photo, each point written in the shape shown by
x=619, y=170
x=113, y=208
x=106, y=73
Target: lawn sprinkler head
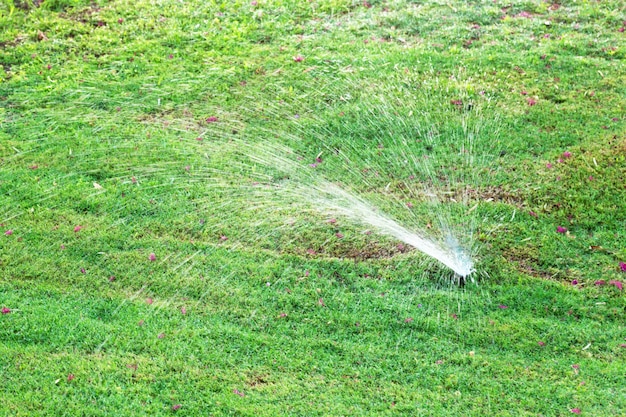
x=462, y=263
x=461, y=279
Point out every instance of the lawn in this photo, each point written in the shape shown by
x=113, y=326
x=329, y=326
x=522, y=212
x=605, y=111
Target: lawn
x=167, y=248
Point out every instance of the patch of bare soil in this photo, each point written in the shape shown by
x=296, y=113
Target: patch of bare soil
x=371, y=250
x=83, y=15
x=527, y=262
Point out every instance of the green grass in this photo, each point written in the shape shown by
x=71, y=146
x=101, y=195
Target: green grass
x=101, y=108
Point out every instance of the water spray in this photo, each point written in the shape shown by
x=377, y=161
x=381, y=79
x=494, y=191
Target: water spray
x=332, y=199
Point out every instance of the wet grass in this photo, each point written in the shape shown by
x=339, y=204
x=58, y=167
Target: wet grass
x=126, y=130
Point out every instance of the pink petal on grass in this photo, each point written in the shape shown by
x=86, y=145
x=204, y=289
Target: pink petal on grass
x=600, y=282
x=183, y=310
x=574, y=282
x=575, y=410
x=531, y=101
x=8, y=232
x=70, y=377
x=5, y=310
x=78, y=228
x=561, y=229
x=298, y=58
x=567, y=155
x=176, y=407
x=339, y=235
x=617, y=284
x=540, y=343
x=622, y=266
x=152, y=257
x=211, y=119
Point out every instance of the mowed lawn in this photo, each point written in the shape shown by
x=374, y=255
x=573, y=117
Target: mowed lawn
x=156, y=259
